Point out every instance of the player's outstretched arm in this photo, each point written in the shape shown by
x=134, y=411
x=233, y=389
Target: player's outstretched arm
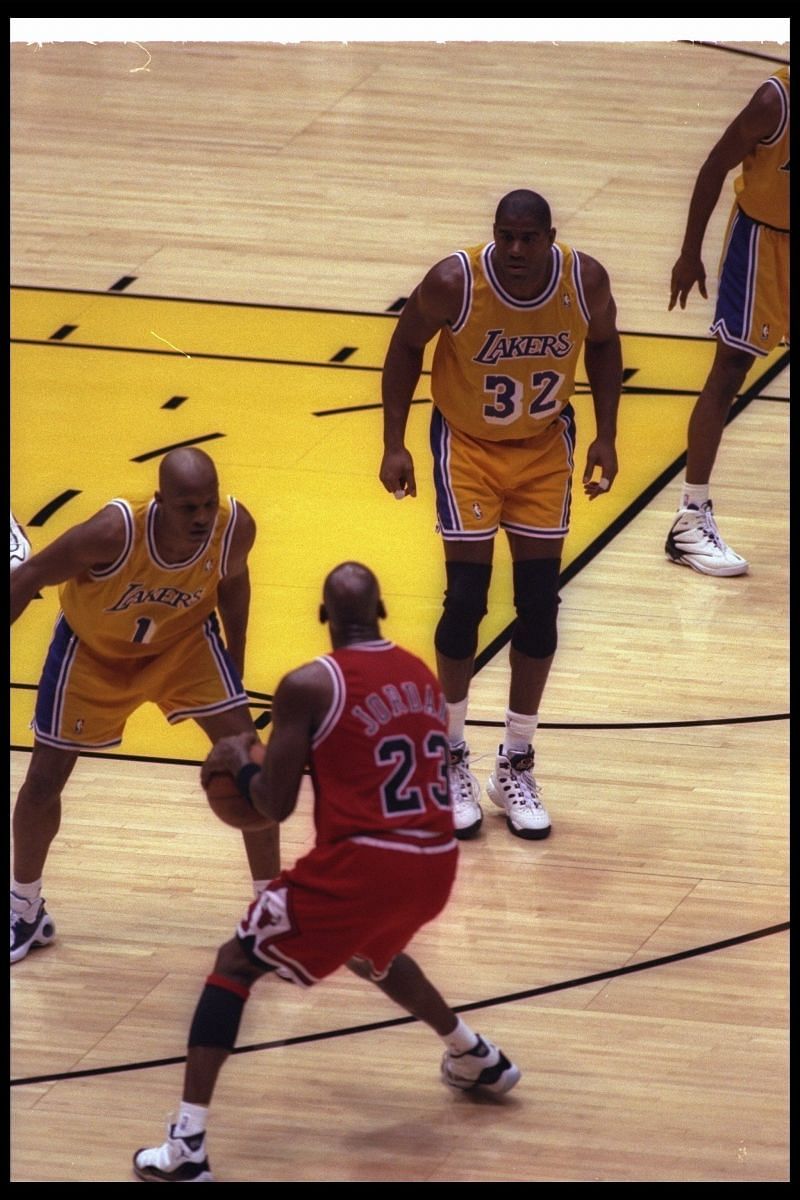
x=94, y=543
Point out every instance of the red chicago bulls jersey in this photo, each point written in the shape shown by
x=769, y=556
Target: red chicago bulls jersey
x=379, y=758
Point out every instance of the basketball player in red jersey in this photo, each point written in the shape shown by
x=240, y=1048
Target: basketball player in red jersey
x=752, y=310
x=370, y=720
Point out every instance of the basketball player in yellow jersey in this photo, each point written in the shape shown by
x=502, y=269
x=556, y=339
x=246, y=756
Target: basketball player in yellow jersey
x=140, y=584
x=752, y=313
x=512, y=317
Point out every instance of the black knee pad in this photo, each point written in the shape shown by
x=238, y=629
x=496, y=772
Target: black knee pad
x=464, y=608
x=536, y=601
x=218, y=1015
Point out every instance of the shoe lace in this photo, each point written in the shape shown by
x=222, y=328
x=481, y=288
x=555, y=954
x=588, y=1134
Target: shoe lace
x=526, y=789
x=461, y=783
x=708, y=527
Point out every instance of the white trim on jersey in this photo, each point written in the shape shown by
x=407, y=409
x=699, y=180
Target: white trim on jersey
x=127, y=513
x=577, y=279
x=227, y=537
x=150, y=542
x=466, y=303
x=331, y=718
x=538, y=301
x=780, y=87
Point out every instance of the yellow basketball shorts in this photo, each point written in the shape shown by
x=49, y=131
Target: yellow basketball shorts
x=752, y=312
x=522, y=485
x=84, y=700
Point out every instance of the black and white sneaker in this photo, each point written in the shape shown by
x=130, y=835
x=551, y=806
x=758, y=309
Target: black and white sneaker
x=694, y=541
x=465, y=793
x=29, y=929
x=177, y=1160
x=513, y=788
x=484, y=1066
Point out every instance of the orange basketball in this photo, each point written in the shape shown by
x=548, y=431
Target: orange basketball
x=227, y=802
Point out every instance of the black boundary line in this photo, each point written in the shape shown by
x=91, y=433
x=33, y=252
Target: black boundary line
x=371, y=1027
x=643, y=499
x=566, y=727
x=343, y=312
x=242, y=358
x=784, y=62
x=333, y=312
x=319, y=364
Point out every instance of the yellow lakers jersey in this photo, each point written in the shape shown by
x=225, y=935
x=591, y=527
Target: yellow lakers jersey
x=762, y=189
x=138, y=605
x=506, y=367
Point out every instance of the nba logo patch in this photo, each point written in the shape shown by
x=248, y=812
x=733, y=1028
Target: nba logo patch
x=476, y=509
x=764, y=332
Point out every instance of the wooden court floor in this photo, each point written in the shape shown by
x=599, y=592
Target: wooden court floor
x=635, y=963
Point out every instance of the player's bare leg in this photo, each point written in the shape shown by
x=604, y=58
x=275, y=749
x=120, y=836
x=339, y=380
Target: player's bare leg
x=36, y=821
x=182, y=1157
x=711, y=409
x=694, y=539
x=37, y=812
x=470, y=1061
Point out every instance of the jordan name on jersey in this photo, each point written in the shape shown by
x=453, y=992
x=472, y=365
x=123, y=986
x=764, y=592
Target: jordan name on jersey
x=391, y=701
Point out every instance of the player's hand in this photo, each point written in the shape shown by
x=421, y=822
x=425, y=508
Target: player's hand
x=601, y=456
x=228, y=754
x=397, y=473
x=687, y=272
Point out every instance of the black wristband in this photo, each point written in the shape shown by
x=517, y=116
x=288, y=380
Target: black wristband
x=244, y=777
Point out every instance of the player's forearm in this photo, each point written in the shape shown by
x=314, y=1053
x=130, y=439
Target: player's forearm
x=706, y=193
x=401, y=373
x=233, y=603
x=603, y=362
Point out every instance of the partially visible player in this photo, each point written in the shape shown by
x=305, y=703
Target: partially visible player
x=371, y=720
x=20, y=546
x=140, y=583
x=752, y=313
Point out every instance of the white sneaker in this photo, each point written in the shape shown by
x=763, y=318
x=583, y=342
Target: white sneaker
x=30, y=926
x=178, y=1160
x=513, y=788
x=694, y=541
x=465, y=791
x=484, y=1066
x=20, y=546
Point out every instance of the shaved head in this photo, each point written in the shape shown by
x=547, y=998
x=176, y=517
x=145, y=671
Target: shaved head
x=351, y=597
x=524, y=205
x=186, y=470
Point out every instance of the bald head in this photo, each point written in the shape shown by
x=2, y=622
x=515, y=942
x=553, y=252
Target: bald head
x=186, y=470
x=524, y=205
x=351, y=601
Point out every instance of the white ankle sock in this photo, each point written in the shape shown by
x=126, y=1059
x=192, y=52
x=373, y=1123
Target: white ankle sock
x=456, y=719
x=462, y=1039
x=192, y=1119
x=25, y=895
x=694, y=493
x=519, y=732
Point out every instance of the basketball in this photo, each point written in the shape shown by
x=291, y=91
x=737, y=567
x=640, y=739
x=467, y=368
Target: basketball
x=227, y=802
